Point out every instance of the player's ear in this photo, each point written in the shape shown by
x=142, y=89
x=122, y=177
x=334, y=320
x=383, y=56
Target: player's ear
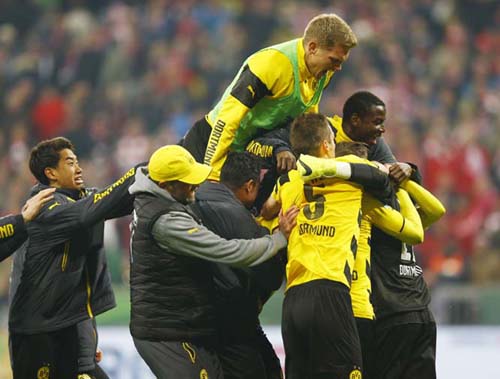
x=311, y=46
x=355, y=120
x=324, y=148
x=51, y=173
x=250, y=185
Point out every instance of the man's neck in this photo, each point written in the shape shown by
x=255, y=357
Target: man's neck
x=348, y=130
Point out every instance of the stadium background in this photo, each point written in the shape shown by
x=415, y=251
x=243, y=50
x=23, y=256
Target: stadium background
x=120, y=78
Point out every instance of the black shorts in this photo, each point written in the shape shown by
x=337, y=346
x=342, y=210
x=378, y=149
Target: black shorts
x=319, y=332
x=252, y=358
x=242, y=361
x=45, y=355
x=196, y=139
x=366, y=330
x=406, y=346
x=174, y=360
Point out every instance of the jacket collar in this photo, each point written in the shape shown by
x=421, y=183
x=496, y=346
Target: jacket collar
x=71, y=193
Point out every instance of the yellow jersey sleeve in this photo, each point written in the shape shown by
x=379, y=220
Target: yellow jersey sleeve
x=404, y=225
x=289, y=190
x=361, y=286
x=279, y=79
x=268, y=73
x=231, y=113
x=270, y=225
x=275, y=79
x=430, y=208
x=325, y=240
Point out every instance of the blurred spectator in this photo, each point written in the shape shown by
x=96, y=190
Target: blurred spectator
x=49, y=114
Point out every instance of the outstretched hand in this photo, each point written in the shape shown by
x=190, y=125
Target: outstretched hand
x=33, y=205
x=288, y=220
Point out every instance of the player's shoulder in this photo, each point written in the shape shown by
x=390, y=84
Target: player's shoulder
x=335, y=122
x=269, y=60
x=289, y=182
x=291, y=176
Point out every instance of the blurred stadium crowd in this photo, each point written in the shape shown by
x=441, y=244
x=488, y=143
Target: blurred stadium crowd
x=120, y=78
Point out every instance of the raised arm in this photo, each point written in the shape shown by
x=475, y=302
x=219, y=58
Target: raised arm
x=429, y=206
x=404, y=225
x=59, y=221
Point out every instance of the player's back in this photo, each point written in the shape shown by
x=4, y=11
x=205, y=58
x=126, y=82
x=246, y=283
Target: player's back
x=324, y=243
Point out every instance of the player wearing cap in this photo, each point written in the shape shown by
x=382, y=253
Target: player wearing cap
x=173, y=315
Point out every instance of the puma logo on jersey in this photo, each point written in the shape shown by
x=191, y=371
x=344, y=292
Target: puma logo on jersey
x=249, y=87
x=54, y=205
x=307, y=170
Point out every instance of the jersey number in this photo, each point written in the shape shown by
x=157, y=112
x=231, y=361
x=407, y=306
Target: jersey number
x=319, y=207
x=407, y=253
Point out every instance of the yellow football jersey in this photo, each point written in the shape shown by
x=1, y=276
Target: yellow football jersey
x=324, y=243
x=404, y=225
x=277, y=76
x=361, y=286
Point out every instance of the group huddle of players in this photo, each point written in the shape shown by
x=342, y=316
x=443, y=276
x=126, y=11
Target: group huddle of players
x=356, y=304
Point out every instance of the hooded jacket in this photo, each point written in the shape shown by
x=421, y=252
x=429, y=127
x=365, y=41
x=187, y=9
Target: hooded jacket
x=171, y=286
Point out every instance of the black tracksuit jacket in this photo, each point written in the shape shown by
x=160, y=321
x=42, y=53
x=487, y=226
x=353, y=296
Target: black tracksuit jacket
x=60, y=276
x=240, y=292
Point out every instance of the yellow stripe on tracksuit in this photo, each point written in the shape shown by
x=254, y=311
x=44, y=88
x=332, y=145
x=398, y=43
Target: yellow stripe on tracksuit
x=65, y=256
x=89, y=292
x=190, y=350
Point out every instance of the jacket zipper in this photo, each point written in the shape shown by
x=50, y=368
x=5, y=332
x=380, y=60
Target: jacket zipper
x=64, y=262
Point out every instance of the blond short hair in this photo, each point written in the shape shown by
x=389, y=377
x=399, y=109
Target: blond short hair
x=329, y=29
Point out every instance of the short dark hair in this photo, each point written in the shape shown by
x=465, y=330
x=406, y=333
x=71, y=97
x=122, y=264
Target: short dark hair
x=329, y=29
x=360, y=103
x=46, y=154
x=359, y=149
x=307, y=133
x=239, y=168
